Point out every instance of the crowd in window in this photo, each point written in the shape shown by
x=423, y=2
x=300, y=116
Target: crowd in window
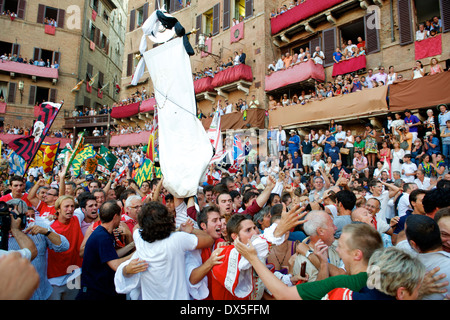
x=18, y=58
x=429, y=28
x=280, y=10
x=238, y=58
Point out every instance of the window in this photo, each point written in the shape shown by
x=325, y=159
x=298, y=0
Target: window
x=92, y=31
x=44, y=54
x=208, y=22
x=138, y=16
x=41, y=94
x=50, y=15
x=14, y=6
x=239, y=9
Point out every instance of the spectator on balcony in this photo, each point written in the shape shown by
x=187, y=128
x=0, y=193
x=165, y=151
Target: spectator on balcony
x=301, y=56
x=318, y=56
x=422, y=33
x=242, y=56
x=435, y=67
x=349, y=47
x=287, y=60
x=285, y=101
x=41, y=63
x=392, y=75
x=370, y=76
x=92, y=112
x=436, y=24
x=356, y=84
x=337, y=55
x=381, y=76
x=55, y=65
x=254, y=103
x=272, y=67
x=418, y=71
x=280, y=63
x=236, y=58
x=361, y=43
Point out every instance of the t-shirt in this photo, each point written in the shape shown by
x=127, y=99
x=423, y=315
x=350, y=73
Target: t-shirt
x=318, y=289
x=412, y=119
x=24, y=197
x=408, y=168
x=98, y=251
x=45, y=210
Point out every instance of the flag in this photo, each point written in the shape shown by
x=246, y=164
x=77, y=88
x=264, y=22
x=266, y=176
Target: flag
x=247, y=146
x=77, y=86
x=107, y=160
x=144, y=172
x=16, y=164
x=49, y=152
x=238, y=150
x=27, y=146
x=86, y=153
x=79, y=145
x=152, y=148
x=214, y=133
x=90, y=166
x=92, y=80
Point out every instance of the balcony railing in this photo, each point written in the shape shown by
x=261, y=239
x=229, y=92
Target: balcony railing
x=28, y=69
x=87, y=121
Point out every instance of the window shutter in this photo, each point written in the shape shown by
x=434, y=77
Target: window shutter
x=100, y=79
x=313, y=43
x=328, y=45
x=216, y=19
x=226, y=14
x=16, y=49
x=198, y=25
x=87, y=102
x=32, y=96
x=445, y=15
x=371, y=36
x=145, y=11
x=56, y=57
x=405, y=22
x=21, y=9
x=12, y=92
x=89, y=71
x=60, y=18
x=130, y=64
x=41, y=12
x=248, y=8
x=37, y=54
x=132, y=20
x=53, y=95
x=97, y=37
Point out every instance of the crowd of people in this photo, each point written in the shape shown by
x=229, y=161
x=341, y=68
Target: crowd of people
x=18, y=58
x=238, y=58
x=279, y=11
x=298, y=219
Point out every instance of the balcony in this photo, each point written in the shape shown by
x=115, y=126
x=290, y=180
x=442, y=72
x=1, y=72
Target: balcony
x=235, y=121
x=87, y=121
x=14, y=68
x=297, y=74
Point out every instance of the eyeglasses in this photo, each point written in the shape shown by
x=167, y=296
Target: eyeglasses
x=51, y=194
x=136, y=207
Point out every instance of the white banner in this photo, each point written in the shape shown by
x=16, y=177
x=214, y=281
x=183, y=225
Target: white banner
x=184, y=146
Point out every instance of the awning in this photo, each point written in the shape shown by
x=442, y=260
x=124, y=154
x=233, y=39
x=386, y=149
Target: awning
x=300, y=12
x=232, y=74
x=348, y=66
x=29, y=69
x=298, y=73
x=129, y=139
x=147, y=105
x=348, y=106
x=125, y=111
x=235, y=121
x=427, y=91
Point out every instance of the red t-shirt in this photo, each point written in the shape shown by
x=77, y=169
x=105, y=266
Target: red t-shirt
x=45, y=210
x=206, y=253
x=24, y=197
x=59, y=263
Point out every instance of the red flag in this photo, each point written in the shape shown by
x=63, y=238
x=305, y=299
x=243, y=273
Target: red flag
x=27, y=146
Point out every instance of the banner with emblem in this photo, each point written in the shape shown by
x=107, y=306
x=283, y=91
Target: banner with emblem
x=49, y=152
x=86, y=153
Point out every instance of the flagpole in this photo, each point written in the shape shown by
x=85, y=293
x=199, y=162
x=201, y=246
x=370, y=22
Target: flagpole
x=74, y=149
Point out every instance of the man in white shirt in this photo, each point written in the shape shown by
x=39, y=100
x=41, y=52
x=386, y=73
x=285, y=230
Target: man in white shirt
x=318, y=56
x=422, y=181
x=403, y=203
x=422, y=34
x=229, y=107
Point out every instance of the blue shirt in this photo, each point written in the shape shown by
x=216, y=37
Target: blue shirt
x=333, y=152
x=337, y=56
x=98, y=251
x=294, y=146
x=412, y=119
x=436, y=149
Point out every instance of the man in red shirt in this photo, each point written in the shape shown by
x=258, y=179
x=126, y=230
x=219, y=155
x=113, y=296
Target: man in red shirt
x=46, y=207
x=17, y=186
x=133, y=205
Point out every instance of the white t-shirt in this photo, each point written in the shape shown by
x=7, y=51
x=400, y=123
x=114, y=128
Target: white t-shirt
x=408, y=168
x=165, y=277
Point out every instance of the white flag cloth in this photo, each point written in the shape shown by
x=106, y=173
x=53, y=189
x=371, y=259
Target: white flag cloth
x=184, y=147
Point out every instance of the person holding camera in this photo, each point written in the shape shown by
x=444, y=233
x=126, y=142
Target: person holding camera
x=43, y=237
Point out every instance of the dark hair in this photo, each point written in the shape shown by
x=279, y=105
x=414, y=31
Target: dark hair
x=436, y=198
x=202, y=216
x=15, y=178
x=413, y=195
x=234, y=224
x=347, y=198
x=272, y=197
x=108, y=210
x=155, y=222
x=84, y=197
x=424, y=231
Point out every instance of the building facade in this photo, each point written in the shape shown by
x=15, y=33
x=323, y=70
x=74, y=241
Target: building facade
x=82, y=38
